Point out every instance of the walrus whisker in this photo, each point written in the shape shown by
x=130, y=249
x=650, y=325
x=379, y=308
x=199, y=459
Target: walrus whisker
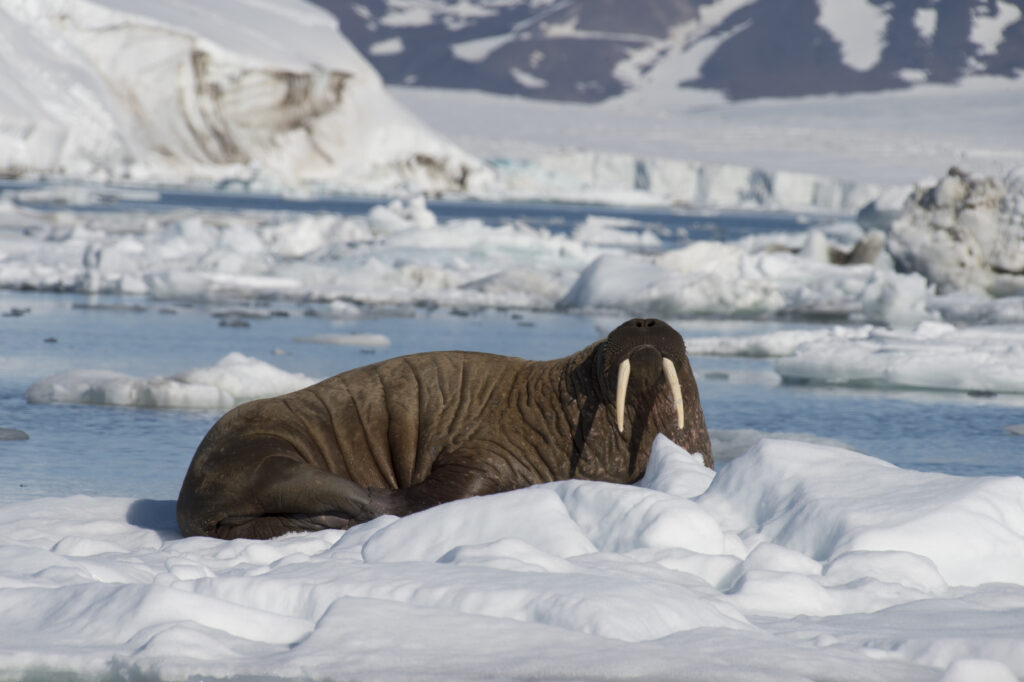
x=620, y=395
x=677, y=392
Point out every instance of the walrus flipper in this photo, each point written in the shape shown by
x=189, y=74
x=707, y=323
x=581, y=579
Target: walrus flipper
x=454, y=476
x=283, y=495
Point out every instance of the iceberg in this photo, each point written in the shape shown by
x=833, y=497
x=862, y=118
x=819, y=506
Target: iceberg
x=965, y=233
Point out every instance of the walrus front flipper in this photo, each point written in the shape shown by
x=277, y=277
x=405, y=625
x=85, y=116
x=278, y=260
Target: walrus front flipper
x=453, y=477
x=281, y=494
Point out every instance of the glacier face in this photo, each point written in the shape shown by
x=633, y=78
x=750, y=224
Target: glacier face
x=183, y=91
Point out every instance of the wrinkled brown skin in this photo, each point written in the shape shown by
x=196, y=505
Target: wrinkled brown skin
x=412, y=432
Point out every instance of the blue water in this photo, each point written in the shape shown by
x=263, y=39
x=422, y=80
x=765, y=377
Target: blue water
x=136, y=452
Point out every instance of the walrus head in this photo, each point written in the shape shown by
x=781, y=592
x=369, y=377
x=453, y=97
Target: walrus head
x=642, y=385
x=644, y=352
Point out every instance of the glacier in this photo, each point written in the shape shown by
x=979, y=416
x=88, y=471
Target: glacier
x=270, y=94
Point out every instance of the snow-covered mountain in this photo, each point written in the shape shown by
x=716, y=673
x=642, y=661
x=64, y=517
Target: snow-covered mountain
x=179, y=90
x=589, y=50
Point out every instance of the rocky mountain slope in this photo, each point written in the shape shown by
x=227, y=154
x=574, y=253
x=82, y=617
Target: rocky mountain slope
x=590, y=50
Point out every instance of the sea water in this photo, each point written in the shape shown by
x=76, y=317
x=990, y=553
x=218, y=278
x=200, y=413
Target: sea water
x=102, y=450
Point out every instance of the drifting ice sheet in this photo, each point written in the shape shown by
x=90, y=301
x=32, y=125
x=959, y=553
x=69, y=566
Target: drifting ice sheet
x=235, y=379
x=934, y=355
x=798, y=562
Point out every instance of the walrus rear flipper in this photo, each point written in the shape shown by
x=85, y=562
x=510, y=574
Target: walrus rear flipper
x=282, y=494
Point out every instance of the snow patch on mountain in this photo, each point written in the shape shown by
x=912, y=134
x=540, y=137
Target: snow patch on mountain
x=859, y=28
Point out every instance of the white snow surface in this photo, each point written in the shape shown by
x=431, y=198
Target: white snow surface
x=794, y=561
x=177, y=90
x=933, y=355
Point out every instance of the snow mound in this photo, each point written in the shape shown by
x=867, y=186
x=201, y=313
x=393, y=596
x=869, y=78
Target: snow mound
x=157, y=91
x=964, y=233
x=235, y=379
x=794, y=561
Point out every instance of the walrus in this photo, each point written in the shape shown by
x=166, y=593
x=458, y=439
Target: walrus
x=408, y=433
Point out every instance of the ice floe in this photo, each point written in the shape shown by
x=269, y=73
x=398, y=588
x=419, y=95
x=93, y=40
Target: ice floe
x=792, y=561
x=235, y=379
x=933, y=355
x=722, y=278
x=360, y=340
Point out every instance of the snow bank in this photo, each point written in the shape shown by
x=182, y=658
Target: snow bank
x=794, y=561
x=175, y=91
x=235, y=379
x=964, y=233
x=933, y=355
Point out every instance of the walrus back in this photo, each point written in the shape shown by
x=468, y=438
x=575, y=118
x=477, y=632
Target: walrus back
x=379, y=426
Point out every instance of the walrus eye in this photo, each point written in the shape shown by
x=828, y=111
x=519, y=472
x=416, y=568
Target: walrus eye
x=673, y=383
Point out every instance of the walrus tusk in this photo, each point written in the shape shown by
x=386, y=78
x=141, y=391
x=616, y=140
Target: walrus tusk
x=677, y=393
x=620, y=394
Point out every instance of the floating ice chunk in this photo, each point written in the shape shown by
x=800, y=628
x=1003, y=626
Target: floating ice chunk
x=235, y=379
x=360, y=340
x=933, y=356
x=708, y=277
x=965, y=232
x=607, y=231
x=400, y=215
x=772, y=344
x=12, y=434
